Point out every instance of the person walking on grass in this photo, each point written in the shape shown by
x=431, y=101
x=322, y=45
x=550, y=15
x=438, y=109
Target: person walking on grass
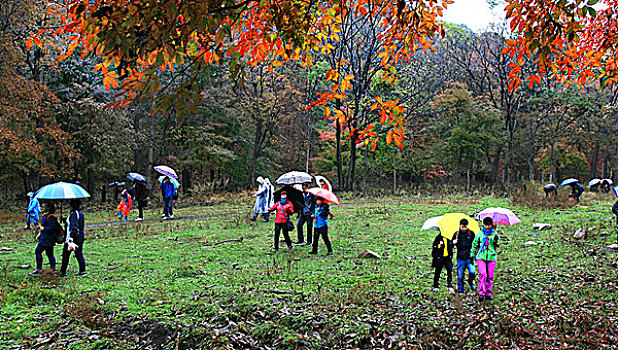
x=75, y=239
x=284, y=209
x=615, y=211
x=262, y=198
x=442, y=253
x=306, y=217
x=168, y=190
x=321, y=215
x=141, y=193
x=484, y=246
x=33, y=212
x=50, y=229
x=576, y=191
x=126, y=203
x=462, y=240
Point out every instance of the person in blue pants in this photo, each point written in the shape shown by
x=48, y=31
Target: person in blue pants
x=168, y=190
x=463, y=242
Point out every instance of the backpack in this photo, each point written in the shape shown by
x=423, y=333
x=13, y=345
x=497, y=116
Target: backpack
x=61, y=234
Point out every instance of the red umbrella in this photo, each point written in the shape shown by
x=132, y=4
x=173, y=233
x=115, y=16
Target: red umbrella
x=325, y=194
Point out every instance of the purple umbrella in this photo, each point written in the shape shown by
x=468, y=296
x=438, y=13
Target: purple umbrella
x=165, y=170
x=500, y=216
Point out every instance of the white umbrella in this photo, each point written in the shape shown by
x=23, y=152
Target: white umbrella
x=167, y=171
x=594, y=182
x=294, y=177
x=432, y=224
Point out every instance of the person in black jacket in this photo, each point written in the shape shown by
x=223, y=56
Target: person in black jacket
x=141, y=193
x=615, y=211
x=463, y=242
x=75, y=234
x=306, y=216
x=442, y=254
x=49, y=230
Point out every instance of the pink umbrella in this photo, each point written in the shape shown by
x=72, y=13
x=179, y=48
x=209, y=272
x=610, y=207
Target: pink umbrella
x=500, y=216
x=325, y=194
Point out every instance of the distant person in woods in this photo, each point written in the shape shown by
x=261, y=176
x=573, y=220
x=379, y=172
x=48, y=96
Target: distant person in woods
x=168, y=191
x=141, y=194
x=33, y=212
x=576, y=191
x=262, y=199
x=321, y=215
x=550, y=190
x=50, y=230
x=126, y=203
x=615, y=211
x=463, y=242
x=75, y=239
x=284, y=208
x=606, y=185
x=485, y=246
x=103, y=193
x=442, y=258
x=306, y=217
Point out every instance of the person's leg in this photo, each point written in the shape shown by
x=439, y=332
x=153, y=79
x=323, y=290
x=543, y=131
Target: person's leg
x=50, y=256
x=286, y=235
x=79, y=255
x=482, y=277
x=171, y=208
x=119, y=209
x=38, y=255
x=166, y=205
x=461, y=270
x=255, y=215
x=66, y=254
x=471, y=274
x=140, y=209
x=436, y=275
x=266, y=216
x=309, y=230
x=491, y=265
x=277, y=233
x=448, y=265
x=324, y=234
x=316, y=238
x=299, y=228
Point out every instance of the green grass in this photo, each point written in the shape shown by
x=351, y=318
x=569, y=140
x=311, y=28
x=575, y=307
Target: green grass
x=164, y=284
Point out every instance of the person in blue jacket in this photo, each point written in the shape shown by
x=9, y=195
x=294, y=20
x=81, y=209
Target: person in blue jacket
x=50, y=229
x=321, y=215
x=306, y=216
x=33, y=213
x=168, y=191
x=75, y=234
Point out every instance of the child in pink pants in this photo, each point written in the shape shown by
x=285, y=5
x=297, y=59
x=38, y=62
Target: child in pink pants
x=484, y=245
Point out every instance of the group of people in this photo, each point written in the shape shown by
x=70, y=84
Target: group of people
x=139, y=193
x=578, y=189
x=314, y=214
x=480, y=247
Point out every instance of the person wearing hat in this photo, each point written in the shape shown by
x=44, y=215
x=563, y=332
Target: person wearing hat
x=75, y=239
x=33, y=212
x=126, y=203
x=284, y=209
x=262, y=197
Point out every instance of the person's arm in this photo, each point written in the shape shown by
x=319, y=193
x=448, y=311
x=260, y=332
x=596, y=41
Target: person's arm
x=290, y=208
x=325, y=213
x=73, y=226
x=274, y=207
x=129, y=202
x=475, y=243
x=496, y=241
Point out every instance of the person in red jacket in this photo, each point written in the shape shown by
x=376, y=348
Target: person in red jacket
x=284, y=209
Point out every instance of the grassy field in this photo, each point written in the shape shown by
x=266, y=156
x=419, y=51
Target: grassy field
x=169, y=285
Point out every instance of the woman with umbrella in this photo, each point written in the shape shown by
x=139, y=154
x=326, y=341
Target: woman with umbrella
x=321, y=215
x=168, y=190
x=284, y=209
x=141, y=192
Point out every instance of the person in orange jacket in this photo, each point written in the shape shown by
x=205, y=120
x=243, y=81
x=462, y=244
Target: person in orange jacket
x=126, y=203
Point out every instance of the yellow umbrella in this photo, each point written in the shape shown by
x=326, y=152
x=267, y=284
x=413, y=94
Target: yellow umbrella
x=449, y=224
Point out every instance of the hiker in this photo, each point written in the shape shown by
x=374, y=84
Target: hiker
x=50, y=229
x=126, y=203
x=33, y=212
x=606, y=185
x=550, y=190
x=141, y=193
x=484, y=246
x=284, y=209
x=103, y=193
x=306, y=216
x=576, y=191
x=262, y=198
x=323, y=185
x=615, y=211
x=168, y=191
x=321, y=215
x=442, y=253
x=462, y=240
x=75, y=239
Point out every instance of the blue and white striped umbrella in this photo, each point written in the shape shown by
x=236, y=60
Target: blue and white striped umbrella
x=172, y=180
x=61, y=190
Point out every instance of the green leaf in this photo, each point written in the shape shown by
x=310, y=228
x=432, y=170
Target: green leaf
x=592, y=2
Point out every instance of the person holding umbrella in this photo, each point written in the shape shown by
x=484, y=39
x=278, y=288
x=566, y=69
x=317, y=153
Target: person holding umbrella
x=168, y=191
x=262, y=198
x=462, y=240
x=75, y=239
x=50, y=229
x=306, y=216
x=284, y=209
x=321, y=215
x=33, y=212
x=484, y=246
x=576, y=191
x=141, y=191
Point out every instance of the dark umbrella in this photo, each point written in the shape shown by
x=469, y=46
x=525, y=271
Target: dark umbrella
x=294, y=195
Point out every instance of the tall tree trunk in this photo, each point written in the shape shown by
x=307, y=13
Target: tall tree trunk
x=365, y=171
x=339, y=164
x=496, y=166
x=256, y=151
x=594, y=162
x=136, y=149
x=352, y=163
x=151, y=150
